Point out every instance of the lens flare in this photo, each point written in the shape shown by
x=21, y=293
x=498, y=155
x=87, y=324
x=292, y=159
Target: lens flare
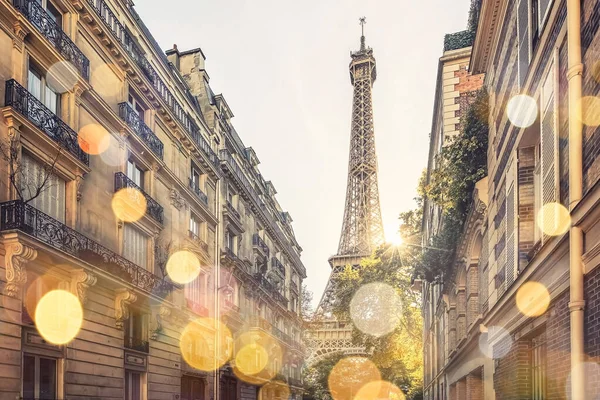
x=251, y=359
x=376, y=309
x=129, y=204
x=590, y=110
x=274, y=390
x=380, y=390
x=501, y=345
x=349, y=375
x=258, y=358
x=522, y=110
x=93, y=139
x=554, y=219
x=62, y=76
x=37, y=287
x=533, y=299
x=206, y=344
x=111, y=156
x=183, y=267
x=58, y=316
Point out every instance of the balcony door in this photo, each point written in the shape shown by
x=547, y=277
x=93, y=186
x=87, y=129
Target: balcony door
x=45, y=190
x=192, y=388
x=135, y=173
x=38, y=86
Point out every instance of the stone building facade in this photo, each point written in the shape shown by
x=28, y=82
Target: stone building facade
x=91, y=105
x=518, y=317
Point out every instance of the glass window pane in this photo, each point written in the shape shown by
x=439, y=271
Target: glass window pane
x=47, y=379
x=34, y=84
x=29, y=377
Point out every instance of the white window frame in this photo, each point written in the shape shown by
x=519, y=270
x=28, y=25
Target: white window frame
x=142, y=258
x=45, y=92
x=59, y=388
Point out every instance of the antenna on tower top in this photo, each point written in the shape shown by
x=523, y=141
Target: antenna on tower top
x=362, y=22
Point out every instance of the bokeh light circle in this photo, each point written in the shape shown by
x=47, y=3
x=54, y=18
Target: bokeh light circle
x=206, y=344
x=251, y=359
x=274, y=390
x=590, y=110
x=503, y=342
x=111, y=156
x=553, y=219
x=522, y=110
x=256, y=353
x=93, y=139
x=59, y=316
x=349, y=375
x=376, y=309
x=380, y=390
x=533, y=299
x=62, y=76
x=183, y=267
x=129, y=204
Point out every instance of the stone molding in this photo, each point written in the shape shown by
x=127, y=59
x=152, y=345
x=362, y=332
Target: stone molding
x=16, y=256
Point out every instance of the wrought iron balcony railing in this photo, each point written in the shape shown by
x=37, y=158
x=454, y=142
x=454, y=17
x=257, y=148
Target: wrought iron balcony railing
x=281, y=335
x=142, y=130
x=30, y=107
x=131, y=47
x=201, y=195
x=278, y=266
x=272, y=290
x=24, y=217
x=43, y=22
x=295, y=382
x=153, y=209
x=259, y=322
x=231, y=209
x=136, y=344
x=257, y=241
x=203, y=245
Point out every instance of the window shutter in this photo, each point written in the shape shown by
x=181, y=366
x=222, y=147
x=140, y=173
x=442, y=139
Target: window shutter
x=549, y=152
x=524, y=40
x=511, y=220
x=544, y=8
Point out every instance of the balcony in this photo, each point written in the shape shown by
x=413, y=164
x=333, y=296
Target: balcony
x=234, y=216
x=278, y=333
x=33, y=11
x=197, y=308
x=30, y=107
x=142, y=130
x=199, y=193
x=270, y=289
x=231, y=209
x=197, y=240
x=230, y=306
x=259, y=322
x=260, y=244
x=278, y=266
x=136, y=344
x=16, y=215
x=153, y=209
x=295, y=382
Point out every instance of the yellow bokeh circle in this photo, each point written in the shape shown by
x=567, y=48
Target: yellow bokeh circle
x=129, y=204
x=533, y=299
x=274, y=390
x=59, y=316
x=522, y=110
x=93, y=139
x=349, y=375
x=258, y=357
x=376, y=308
x=206, y=344
x=251, y=359
x=590, y=110
x=380, y=390
x=183, y=267
x=554, y=219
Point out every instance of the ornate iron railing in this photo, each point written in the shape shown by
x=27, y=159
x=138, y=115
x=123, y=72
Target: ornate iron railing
x=231, y=209
x=295, y=382
x=131, y=47
x=24, y=217
x=201, y=195
x=153, y=209
x=136, y=344
x=259, y=322
x=33, y=11
x=142, y=130
x=278, y=266
x=272, y=290
x=30, y=107
x=203, y=245
x=260, y=243
x=281, y=335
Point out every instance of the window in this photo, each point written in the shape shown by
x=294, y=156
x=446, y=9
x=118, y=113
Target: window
x=230, y=241
x=39, y=377
x=135, y=331
x=195, y=291
x=135, y=173
x=52, y=12
x=51, y=197
x=294, y=303
x=194, y=227
x=135, y=246
x=136, y=106
x=41, y=90
x=196, y=176
x=538, y=367
x=133, y=385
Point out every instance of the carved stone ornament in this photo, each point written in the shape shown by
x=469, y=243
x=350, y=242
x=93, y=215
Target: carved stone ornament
x=79, y=184
x=20, y=32
x=81, y=281
x=16, y=256
x=177, y=199
x=159, y=312
x=123, y=300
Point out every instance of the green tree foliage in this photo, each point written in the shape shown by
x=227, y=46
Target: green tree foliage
x=458, y=167
x=317, y=375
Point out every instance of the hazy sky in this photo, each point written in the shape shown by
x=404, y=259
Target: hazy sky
x=283, y=69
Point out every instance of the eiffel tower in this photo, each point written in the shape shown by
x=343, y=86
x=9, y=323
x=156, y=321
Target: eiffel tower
x=362, y=229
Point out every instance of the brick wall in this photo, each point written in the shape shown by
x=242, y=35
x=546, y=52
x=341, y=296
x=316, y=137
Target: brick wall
x=592, y=324
x=558, y=345
x=474, y=386
x=472, y=294
x=512, y=380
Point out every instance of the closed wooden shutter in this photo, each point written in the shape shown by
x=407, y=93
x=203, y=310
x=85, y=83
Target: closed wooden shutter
x=51, y=199
x=524, y=39
x=512, y=223
x=135, y=246
x=549, y=152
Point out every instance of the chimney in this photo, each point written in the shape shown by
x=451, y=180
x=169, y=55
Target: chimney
x=173, y=56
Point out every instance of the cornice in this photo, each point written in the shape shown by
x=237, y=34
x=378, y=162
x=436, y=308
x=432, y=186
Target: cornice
x=490, y=19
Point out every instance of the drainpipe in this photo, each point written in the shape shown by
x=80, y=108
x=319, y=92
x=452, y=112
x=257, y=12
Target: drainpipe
x=577, y=303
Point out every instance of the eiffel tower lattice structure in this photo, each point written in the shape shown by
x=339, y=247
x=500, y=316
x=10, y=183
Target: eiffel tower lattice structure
x=362, y=229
